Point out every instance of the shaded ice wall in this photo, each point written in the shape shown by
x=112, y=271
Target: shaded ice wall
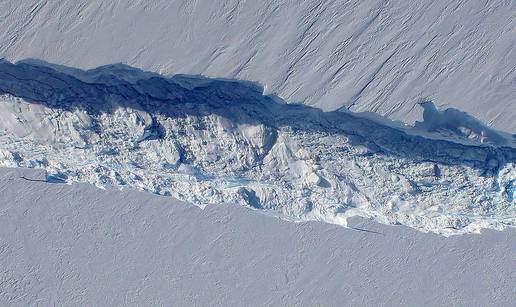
x=374, y=55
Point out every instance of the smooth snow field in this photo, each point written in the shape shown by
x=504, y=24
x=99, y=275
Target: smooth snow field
x=76, y=245
x=373, y=55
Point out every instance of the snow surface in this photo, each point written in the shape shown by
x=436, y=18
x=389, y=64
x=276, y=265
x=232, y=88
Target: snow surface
x=74, y=245
x=374, y=55
x=211, y=141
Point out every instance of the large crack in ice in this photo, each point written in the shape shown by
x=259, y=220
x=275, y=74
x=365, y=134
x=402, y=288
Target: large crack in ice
x=211, y=141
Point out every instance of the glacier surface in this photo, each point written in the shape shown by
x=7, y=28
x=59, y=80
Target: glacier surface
x=209, y=141
x=373, y=55
x=76, y=245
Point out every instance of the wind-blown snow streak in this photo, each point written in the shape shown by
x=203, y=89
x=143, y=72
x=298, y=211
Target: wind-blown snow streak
x=222, y=141
x=369, y=55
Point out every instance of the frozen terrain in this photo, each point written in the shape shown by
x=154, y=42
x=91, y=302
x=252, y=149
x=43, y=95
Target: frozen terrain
x=207, y=153
x=373, y=55
x=214, y=141
x=75, y=245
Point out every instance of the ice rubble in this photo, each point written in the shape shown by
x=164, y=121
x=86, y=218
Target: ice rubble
x=211, y=141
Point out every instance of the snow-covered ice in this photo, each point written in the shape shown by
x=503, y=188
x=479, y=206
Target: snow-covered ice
x=148, y=143
x=79, y=246
x=373, y=55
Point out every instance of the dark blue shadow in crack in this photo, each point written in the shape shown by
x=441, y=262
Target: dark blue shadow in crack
x=106, y=88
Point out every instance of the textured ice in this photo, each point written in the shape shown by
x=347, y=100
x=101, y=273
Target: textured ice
x=79, y=246
x=370, y=55
x=209, y=141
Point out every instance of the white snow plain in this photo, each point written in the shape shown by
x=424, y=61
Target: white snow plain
x=76, y=245
x=373, y=55
x=212, y=141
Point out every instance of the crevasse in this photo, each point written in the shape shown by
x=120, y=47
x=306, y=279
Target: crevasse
x=211, y=141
